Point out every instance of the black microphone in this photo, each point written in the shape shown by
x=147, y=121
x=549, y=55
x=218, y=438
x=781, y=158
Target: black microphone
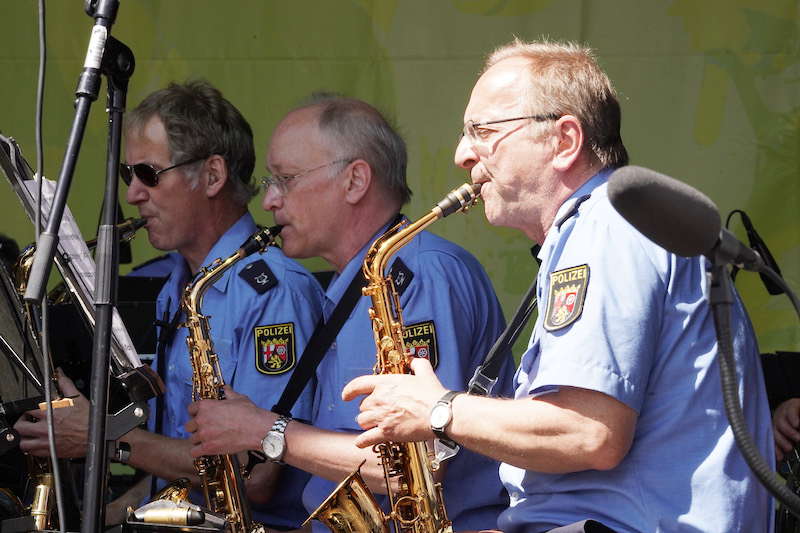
x=676, y=216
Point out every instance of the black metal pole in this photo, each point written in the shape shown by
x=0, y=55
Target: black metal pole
x=118, y=65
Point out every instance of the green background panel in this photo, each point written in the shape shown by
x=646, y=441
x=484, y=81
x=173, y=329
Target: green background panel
x=709, y=92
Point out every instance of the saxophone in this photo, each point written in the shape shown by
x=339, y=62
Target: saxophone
x=221, y=475
x=418, y=505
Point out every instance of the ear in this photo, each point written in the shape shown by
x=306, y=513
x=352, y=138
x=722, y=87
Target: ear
x=217, y=175
x=357, y=180
x=569, y=134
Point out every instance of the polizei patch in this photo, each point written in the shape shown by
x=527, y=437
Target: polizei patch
x=567, y=294
x=275, y=348
x=420, y=340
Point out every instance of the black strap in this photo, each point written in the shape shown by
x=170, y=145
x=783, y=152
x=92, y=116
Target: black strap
x=485, y=375
x=169, y=326
x=165, y=336
x=318, y=346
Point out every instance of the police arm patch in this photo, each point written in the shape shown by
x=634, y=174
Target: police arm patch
x=275, y=353
x=259, y=276
x=566, y=296
x=420, y=341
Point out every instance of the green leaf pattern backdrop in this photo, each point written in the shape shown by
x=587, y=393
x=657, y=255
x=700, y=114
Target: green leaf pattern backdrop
x=709, y=92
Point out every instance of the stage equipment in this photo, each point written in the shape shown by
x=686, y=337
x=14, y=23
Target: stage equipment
x=686, y=222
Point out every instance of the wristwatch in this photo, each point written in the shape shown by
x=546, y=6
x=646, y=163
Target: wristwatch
x=442, y=414
x=274, y=443
x=122, y=452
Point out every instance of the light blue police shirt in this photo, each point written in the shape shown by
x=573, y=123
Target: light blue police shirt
x=260, y=323
x=444, y=286
x=644, y=335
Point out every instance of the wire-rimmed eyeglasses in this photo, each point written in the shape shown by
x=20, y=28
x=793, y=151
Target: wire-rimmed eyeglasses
x=473, y=132
x=281, y=181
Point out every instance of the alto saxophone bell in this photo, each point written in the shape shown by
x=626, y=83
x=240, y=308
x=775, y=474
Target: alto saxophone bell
x=351, y=507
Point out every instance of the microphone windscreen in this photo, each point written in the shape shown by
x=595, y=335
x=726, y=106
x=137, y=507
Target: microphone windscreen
x=670, y=213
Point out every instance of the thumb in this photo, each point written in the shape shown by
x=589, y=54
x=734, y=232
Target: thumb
x=231, y=394
x=66, y=385
x=422, y=367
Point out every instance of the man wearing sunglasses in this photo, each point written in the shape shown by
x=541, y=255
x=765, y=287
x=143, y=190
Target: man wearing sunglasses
x=618, y=414
x=337, y=183
x=189, y=161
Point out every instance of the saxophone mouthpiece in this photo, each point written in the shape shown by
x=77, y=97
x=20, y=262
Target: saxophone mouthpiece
x=136, y=223
x=260, y=240
x=128, y=228
x=459, y=199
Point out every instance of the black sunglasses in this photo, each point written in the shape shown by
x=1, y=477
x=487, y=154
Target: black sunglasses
x=147, y=174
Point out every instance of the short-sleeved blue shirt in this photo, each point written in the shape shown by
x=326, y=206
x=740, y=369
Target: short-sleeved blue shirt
x=622, y=316
x=262, y=312
x=449, y=303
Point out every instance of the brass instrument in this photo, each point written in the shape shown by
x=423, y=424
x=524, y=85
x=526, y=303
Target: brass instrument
x=417, y=506
x=22, y=267
x=221, y=475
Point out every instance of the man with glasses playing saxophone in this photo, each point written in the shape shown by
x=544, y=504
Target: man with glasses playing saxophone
x=618, y=413
x=338, y=182
x=190, y=159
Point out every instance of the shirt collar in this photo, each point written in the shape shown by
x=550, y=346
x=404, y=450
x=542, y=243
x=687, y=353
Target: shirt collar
x=578, y=195
x=341, y=281
x=230, y=241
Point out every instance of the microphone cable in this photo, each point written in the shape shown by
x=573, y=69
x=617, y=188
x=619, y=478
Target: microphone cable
x=44, y=323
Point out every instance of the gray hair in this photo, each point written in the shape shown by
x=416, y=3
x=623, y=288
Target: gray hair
x=199, y=123
x=566, y=79
x=363, y=132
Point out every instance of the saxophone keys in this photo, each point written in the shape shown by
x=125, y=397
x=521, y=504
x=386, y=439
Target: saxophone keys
x=395, y=357
x=387, y=343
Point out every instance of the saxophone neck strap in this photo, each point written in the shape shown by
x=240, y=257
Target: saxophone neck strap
x=486, y=374
x=318, y=344
x=168, y=327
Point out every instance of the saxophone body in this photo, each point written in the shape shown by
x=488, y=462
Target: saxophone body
x=221, y=475
x=417, y=505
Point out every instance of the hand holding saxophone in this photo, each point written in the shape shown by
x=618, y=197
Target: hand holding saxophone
x=226, y=426
x=397, y=406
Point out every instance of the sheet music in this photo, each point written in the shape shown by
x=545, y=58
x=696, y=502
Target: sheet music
x=72, y=247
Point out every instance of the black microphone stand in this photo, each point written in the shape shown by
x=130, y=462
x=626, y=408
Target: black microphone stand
x=721, y=300
x=105, y=55
x=118, y=64
x=104, y=13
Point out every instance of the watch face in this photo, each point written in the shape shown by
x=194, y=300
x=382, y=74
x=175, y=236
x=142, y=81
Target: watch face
x=272, y=445
x=440, y=416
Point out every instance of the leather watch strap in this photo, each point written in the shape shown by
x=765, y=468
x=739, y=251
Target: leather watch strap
x=445, y=401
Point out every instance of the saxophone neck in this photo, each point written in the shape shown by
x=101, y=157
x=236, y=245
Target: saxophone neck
x=193, y=294
x=459, y=199
x=387, y=245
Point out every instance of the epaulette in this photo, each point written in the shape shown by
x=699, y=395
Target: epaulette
x=401, y=276
x=259, y=276
x=573, y=210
